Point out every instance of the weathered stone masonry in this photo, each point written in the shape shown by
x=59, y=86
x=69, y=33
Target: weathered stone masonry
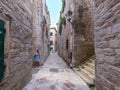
x=79, y=33
x=83, y=26
x=17, y=16
x=41, y=25
x=107, y=44
x=105, y=17
x=65, y=39
x=26, y=23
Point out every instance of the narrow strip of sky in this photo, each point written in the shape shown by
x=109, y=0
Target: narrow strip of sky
x=54, y=7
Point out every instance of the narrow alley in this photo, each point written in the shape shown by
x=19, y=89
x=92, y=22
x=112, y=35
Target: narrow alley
x=55, y=74
x=72, y=44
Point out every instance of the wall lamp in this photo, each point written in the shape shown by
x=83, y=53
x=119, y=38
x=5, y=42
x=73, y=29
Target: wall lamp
x=69, y=15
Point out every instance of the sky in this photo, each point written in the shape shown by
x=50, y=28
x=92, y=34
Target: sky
x=54, y=7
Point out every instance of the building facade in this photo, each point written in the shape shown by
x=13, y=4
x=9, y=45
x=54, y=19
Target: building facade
x=41, y=26
x=24, y=26
x=74, y=32
x=53, y=39
x=95, y=27
x=15, y=43
x=107, y=43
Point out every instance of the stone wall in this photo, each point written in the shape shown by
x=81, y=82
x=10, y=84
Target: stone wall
x=41, y=25
x=45, y=30
x=79, y=32
x=18, y=42
x=66, y=35
x=83, y=25
x=105, y=22
x=107, y=44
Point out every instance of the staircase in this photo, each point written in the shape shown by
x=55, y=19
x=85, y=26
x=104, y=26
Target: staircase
x=87, y=71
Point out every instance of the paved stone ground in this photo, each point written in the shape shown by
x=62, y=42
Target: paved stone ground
x=55, y=75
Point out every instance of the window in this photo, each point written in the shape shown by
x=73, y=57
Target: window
x=51, y=34
x=51, y=42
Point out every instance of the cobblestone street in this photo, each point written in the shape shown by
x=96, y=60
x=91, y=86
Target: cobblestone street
x=55, y=74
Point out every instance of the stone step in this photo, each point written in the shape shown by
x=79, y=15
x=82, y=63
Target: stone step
x=92, y=61
x=88, y=81
x=89, y=69
x=90, y=65
x=76, y=69
x=88, y=75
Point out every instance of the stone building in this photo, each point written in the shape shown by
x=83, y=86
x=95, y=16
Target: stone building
x=41, y=26
x=53, y=39
x=74, y=33
x=107, y=44
x=24, y=26
x=77, y=37
x=100, y=17
x=15, y=43
x=65, y=33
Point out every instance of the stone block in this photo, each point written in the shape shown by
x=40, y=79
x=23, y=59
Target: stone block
x=109, y=37
x=114, y=44
x=109, y=52
x=116, y=28
x=112, y=61
x=102, y=45
x=109, y=30
x=99, y=57
x=118, y=52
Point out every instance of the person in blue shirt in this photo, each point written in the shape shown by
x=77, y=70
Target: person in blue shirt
x=37, y=58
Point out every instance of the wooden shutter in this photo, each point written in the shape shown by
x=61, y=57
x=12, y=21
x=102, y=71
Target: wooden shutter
x=2, y=35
